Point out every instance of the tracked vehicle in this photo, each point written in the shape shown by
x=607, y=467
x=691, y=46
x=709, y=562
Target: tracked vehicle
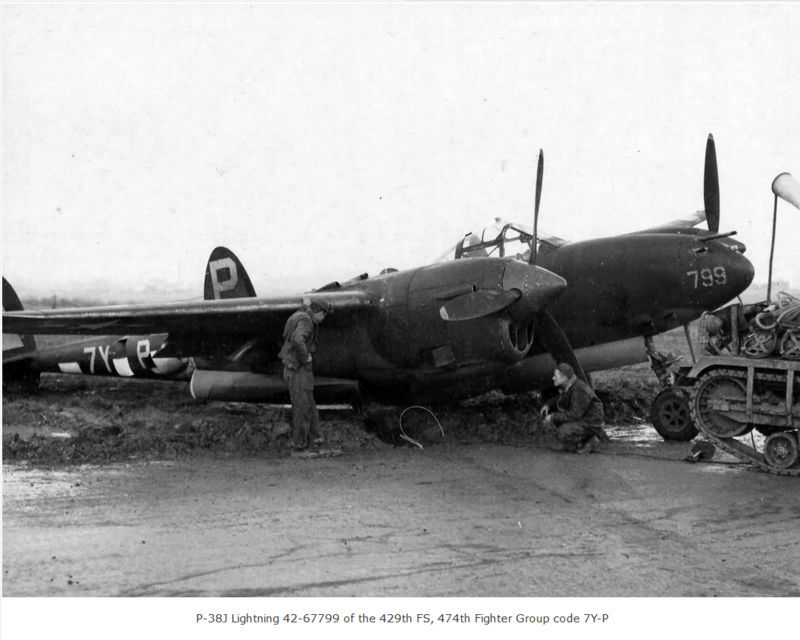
x=748, y=377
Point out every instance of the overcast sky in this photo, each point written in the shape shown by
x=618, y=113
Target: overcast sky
x=319, y=141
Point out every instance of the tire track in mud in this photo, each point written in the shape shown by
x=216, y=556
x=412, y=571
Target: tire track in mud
x=154, y=590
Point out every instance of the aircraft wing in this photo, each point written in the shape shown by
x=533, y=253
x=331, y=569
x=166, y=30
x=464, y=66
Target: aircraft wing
x=192, y=320
x=680, y=224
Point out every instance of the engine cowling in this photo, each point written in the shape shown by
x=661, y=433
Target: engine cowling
x=415, y=333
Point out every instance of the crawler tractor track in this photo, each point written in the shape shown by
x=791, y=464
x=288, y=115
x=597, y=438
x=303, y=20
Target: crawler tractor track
x=721, y=390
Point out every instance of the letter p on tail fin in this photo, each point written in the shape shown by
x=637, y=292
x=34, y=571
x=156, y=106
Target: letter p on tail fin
x=226, y=278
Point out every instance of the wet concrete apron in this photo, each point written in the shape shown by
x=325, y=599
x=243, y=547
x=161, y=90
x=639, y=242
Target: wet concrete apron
x=450, y=520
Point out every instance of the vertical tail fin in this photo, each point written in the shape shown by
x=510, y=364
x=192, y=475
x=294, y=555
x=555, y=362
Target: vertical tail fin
x=11, y=301
x=13, y=343
x=226, y=278
x=17, y=350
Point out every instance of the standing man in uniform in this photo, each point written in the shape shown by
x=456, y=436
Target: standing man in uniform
x=577, y=421
x=299, y=345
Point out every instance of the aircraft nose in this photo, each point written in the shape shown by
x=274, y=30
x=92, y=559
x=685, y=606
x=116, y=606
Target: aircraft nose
x=741, y=273
x=538, y=288
x=716, y=274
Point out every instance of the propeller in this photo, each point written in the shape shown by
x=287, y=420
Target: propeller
x=550, y=333
x=539, y=175
x=553, y=338
x=711, y=186
x=477, y=304
x=527, y=290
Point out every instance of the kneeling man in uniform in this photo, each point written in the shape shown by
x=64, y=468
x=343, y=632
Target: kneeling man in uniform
x=575, y=416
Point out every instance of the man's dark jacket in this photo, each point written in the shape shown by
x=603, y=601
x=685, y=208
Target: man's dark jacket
x=579, y=404
x=299, y=339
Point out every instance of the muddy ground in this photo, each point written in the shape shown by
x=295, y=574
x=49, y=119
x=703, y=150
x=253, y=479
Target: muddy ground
x=83, y=419
x=128, y=488
x=80, y=419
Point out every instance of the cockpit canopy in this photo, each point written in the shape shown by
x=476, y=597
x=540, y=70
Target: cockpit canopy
x=501, y=239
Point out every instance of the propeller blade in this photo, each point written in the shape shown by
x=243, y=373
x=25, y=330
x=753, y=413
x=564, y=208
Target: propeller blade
x=711, y=186
x=556, y=342
x=477, y=304
x=539, y=175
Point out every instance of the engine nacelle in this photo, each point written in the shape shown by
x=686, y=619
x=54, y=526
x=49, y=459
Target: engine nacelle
x=415, y=334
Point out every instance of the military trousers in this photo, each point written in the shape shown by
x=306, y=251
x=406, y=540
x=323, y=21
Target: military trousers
x=571, y=435
x=305, y=415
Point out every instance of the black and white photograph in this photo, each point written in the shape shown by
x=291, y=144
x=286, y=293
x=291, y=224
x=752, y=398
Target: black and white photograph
x=398, y=318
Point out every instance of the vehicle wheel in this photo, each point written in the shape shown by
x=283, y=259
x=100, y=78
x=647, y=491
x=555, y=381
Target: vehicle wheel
x=759, y=344
x=766, y=321
x=790, y=345
x=781, y=450
x=712, y=397
x=671, y=416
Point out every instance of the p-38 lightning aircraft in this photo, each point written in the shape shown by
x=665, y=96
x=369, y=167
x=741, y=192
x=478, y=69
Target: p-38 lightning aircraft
x=435, y=332
x=439, y=332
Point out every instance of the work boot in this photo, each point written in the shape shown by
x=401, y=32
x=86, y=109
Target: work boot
x=588, y=446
